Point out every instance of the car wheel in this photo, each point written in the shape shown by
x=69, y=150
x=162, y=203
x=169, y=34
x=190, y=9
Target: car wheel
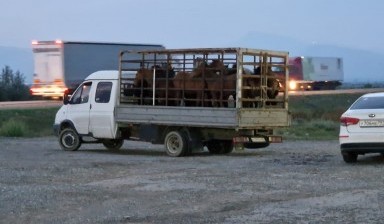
x=349, y=157
x=113, y=144
x=175, y=144
x=69, y=140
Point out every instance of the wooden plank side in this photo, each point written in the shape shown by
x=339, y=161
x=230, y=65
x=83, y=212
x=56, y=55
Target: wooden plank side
x=263, y=118
x=183, y=116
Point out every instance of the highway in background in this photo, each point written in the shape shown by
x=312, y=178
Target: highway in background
x=30, y=104
x=340, y=91
x=57, y=103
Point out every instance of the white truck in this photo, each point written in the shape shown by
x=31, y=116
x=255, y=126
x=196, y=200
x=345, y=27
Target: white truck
x=60, y=66
x=315, y=73
x=169, y=105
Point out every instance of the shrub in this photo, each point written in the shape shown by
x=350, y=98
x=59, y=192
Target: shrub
x=12, y=85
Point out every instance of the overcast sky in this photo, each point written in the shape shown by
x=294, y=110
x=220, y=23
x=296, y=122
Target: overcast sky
x=193, y=23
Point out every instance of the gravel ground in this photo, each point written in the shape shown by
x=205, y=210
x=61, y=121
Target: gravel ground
x=292, y=182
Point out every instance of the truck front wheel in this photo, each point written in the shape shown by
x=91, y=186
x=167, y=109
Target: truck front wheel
x=69, y=140
x=113, y=144
x=175, y=144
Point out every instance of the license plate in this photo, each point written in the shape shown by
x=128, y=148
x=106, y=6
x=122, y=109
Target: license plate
x=258, y=139
x=371, y=123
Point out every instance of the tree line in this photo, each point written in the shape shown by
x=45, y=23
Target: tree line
x=12, y=85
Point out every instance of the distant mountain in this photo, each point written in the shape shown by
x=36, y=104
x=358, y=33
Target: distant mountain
x=18, y=59
x=359, y=65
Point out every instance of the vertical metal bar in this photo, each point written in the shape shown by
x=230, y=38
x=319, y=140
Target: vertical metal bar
x=153, y=85
x=168, y=65
x=239, y=78
x=120, y=75
x=154, y=79
x=286, y=67
x=222, y=79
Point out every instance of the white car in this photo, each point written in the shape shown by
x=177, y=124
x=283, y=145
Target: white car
x=362, y=127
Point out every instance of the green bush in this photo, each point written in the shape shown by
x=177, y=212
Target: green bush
x=13, y=128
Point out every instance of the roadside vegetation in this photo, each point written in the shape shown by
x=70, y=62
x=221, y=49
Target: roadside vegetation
x=27, y=122
x=12, y=85
x=314, y=117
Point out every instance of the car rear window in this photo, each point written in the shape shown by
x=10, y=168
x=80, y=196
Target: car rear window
x=369, y=103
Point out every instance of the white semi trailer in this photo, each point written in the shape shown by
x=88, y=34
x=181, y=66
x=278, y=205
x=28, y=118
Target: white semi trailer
x=60, y=66
x=315, y=73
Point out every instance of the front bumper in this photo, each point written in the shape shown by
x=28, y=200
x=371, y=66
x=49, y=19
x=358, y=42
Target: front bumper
x=56, y=129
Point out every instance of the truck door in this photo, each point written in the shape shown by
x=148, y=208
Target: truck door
x=102, y=123
x=79, y=108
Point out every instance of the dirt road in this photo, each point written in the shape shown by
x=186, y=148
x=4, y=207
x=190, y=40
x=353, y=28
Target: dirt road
x=293, y=182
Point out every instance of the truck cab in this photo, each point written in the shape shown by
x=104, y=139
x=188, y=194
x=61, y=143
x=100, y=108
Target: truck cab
x=89, y=112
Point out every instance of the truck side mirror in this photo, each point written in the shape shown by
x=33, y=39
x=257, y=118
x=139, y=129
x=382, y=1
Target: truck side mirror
x=66, y=99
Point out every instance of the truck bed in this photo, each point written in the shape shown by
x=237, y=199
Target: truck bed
x=226, y=118
x=166, y=86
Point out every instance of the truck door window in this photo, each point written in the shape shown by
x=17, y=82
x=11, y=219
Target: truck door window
x=103, y=92
x=82, y=94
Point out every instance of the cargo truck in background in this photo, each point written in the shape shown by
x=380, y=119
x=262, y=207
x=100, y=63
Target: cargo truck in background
x=314, y=73
x=60, y=66
x=186, y=99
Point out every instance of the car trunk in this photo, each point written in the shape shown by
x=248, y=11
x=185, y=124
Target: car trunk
x=370, y=121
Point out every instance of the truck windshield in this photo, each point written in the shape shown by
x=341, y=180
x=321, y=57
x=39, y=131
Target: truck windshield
x=82, y=94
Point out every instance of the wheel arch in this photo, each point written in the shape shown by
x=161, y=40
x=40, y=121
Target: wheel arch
x=67, y=124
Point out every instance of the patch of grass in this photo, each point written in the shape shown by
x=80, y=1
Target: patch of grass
x=324, y=107
x=13, y=128
x=311, y=130
x=316, y=116
x=33, y=122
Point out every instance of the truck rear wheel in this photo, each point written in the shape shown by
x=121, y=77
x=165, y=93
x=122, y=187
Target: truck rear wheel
x=113, y=144
x=175, y=144
x=69, y=140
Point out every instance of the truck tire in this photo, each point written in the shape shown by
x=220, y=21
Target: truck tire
x=349, y=157
x=220, y=146
x=175, y=144
x=69, y=140
x=113, y=144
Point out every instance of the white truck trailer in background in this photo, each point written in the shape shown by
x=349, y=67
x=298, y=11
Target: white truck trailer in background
x=60, y=66
x=315, y=73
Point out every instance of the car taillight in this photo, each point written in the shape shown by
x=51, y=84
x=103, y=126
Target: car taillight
x=345, y=121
